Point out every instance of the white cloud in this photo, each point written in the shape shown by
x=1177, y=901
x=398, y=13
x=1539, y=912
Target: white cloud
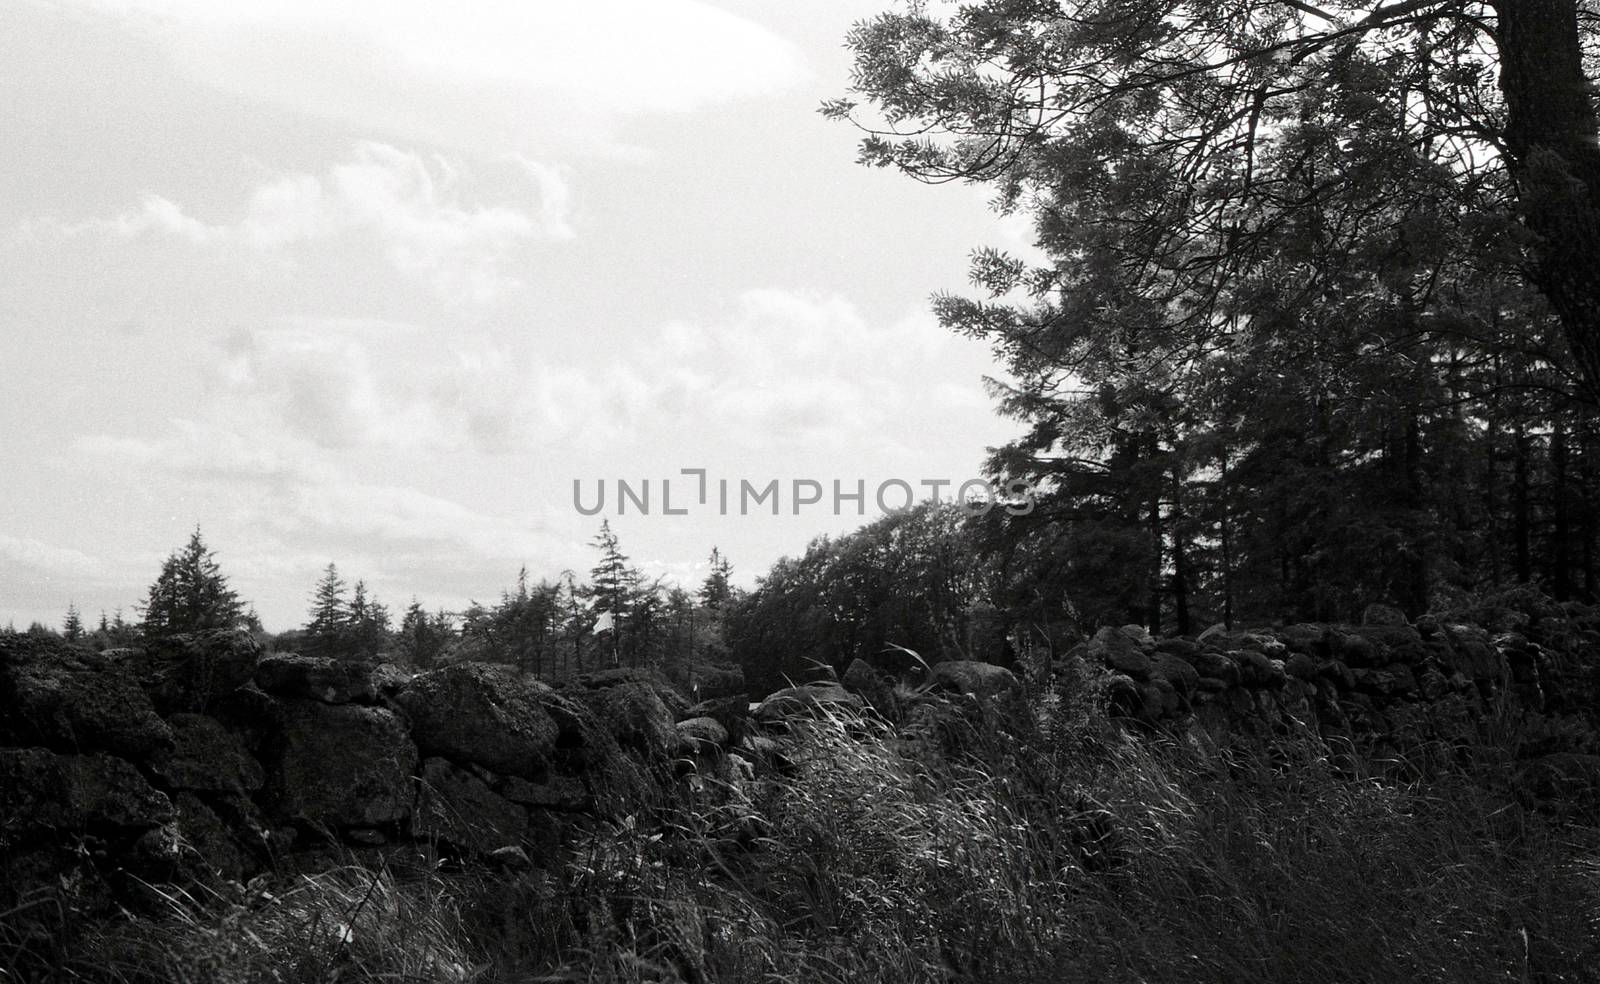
x=410, y=207
x=537, y=72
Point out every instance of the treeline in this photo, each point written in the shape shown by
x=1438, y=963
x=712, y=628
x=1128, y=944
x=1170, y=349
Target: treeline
x=551, y=629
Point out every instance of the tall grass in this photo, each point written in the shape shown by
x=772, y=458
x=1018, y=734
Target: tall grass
x=962, y=848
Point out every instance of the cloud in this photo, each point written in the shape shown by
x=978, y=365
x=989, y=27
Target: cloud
x=536, y=73
x=410, y=207
x=781, y=368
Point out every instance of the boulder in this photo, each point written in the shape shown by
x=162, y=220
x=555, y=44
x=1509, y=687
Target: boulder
x=189, y=672
x=1380, y=614
x=339, y=765
x=1257, y=670
x=1179, y=646
x=332, y=681
x=459, y=808
x=1122, y=650
x=1183, y=677
x=208, y=846
x=1473, y=653
x=1301, y=666
x=1214, y=665
x=810, y=699
x=636, y=716
x=206, y=757
x=72, y=700
x=474, y=712
x=861, y=679
x=560, y=793
x=983, y=681
x=43, y=794
x=702, y=734
x=708, y=681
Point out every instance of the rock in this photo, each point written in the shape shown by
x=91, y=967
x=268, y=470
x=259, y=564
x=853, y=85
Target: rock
x=1380, y=614
x=809, y=699
x=1473, y=654
x=702, y=734
x=365, y=837
x=1161, y=697
x=1183, y=677
x=1301, y=666
x=1308, y=638
x=636, y=716
x=189, y=672
x=709, y=681
x=511, y=857
x=1337, y=672
x=208, y=844
x=1178, y=646
x=1214, y=665
x=1393, y=644
x=1124, y=698
x=1122, y=650
x=457, y=807
x=984, y=681
x=206, y=757
x=43, y=794
x=733, y=713
x=560, y=793
x=1257, y=670
x=473, y=712
x=861, y=679
x=72, y=700
x=342, y=765
x=332, y=681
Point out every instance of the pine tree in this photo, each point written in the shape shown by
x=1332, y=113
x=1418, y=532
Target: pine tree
x=330, y=615
x=716, y=591
x=191, y=594
x=72, y=625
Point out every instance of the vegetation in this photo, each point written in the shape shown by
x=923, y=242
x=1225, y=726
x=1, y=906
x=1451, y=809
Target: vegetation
x=1002, y=851
x=1295, y=342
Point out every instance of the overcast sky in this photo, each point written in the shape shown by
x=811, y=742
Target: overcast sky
x=374, y=281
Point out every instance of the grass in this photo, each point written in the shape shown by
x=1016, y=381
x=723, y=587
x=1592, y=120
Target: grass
x=967, y=852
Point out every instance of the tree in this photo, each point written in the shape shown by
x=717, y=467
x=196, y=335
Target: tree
x=72, y=625
x=330, y=614
x=422, y=638
x=190, y=594
x=1160, y=144
x=716, y=591
x=367, y=630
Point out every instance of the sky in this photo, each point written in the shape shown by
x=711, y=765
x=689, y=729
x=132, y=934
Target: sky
x=376, y=282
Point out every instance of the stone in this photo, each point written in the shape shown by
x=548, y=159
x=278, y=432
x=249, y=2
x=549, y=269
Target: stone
x=474, y=712
x=636, y=716
x=206, y=842
x=1473, y=653
x=864, y=681
x=72, y=700
x=563, y=794
x=365, y=836
x=1214, y=665
x=1183, y=677
x=43, y=794
x=332, y=681
x=702, y=734
x=1306, y=637
x=1257, y=670
x=1380, y=614
x=708, y=681
x=984, y=681
x=207, y=757
x=1392, y=644
x=340, y=765
x=1179, y=646
x=1121, y=650
x=189, y=672
x=457, y=807
x=809, y=699
x=1301, y=666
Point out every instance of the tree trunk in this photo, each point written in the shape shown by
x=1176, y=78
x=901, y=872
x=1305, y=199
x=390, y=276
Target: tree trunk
x=1551, y=134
